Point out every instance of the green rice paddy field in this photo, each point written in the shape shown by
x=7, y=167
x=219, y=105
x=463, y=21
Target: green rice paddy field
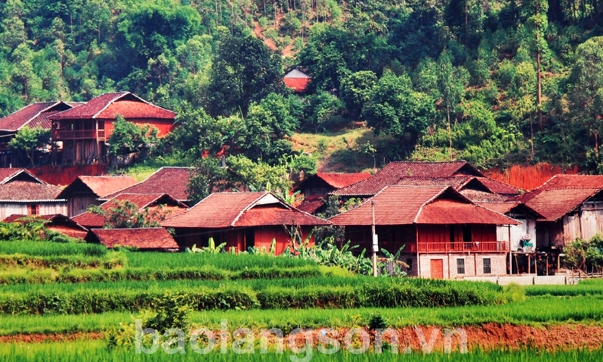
x=58, y=301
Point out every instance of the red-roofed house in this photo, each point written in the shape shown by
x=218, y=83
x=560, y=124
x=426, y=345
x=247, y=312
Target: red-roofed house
x=86, y=190
x=297, y=80
x=572, y=206
x=151, y=202
x=84, y=130
x=444, y=234
x=319, y=186
x=395, y=172
x=23, y=193
x=148, y=239
x=31, y=116
x=58, y=223
x=167, y=180
x=241, y=220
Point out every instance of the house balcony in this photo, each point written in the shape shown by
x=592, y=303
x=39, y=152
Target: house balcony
x=63, y=135
x=460, y=247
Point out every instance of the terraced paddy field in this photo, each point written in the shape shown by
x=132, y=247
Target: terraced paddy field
x=69, y=301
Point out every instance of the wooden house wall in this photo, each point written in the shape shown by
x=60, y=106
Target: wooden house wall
x=20, y=208
x=550, y=233
x=80, y=203
x=391, y=238
x=483, y=232
x=8, y=209
x=52, y=208
x=591, y=223
x=238, y=238
x=164, y=126
x=84, y=151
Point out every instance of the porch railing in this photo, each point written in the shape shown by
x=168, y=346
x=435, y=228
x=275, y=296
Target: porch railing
x=78, y=134
x=462, y=247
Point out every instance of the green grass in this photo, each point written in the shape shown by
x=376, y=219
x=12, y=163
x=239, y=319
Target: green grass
x=45, y=249
x=96, y=351
x=223, y=261
x=592, y=288
x=533, y=311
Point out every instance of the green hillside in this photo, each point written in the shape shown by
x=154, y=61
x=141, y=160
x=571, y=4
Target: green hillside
x=495, y=82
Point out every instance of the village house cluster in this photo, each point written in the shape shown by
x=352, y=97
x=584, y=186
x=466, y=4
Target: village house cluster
x=451, y=220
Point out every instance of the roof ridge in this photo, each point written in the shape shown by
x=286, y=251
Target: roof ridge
x=249, y=206
x=40, y=112
x=428, y=201
x=110, y=102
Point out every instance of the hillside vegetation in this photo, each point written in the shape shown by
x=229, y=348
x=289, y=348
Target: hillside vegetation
x=495, y=82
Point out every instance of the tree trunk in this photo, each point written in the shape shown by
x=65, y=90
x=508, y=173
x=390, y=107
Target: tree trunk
x=449, y=131
x=539, y=94
x=532, y=135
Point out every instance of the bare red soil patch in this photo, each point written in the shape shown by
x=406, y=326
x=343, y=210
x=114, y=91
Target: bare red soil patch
x=53, y=337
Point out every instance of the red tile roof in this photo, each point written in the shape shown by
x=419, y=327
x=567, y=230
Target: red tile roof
x=108, y=105
x=509, y=206
x=6, y=174
x=407, y=205
x=147, y=238
x=482, y=196
x=310, y=206
x=167, y=180
x=237, y=209
x=574, y=182
x=142, y=201
x=99, y=185
x=17, y=184
x=393, y=172
x=499, y=187
x=339, y=180
x=561, y=194
x=14, y=121
x=553, y=204
x=54, y=218
x=28, y=191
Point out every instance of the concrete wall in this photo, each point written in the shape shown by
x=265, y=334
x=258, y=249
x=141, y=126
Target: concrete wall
x=523, y=280
x=474, y=264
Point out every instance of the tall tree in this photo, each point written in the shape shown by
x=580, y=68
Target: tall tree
x=586, y=94
x=244, y=71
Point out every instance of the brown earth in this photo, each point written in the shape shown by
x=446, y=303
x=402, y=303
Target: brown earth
x=490, y=336
x=53, y=337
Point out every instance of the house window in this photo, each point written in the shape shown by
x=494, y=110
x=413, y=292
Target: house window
x=33, y=209
x=460, y=266
x=487, y=266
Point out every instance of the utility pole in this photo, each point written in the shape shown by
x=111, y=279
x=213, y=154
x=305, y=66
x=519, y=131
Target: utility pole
x=375, y=240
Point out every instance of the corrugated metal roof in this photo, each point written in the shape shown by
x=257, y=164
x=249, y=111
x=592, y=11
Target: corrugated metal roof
x=339, y=180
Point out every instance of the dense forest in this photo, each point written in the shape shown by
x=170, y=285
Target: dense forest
x=494, y=82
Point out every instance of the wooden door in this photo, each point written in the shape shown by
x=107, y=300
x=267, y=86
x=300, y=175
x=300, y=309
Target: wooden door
x=437, y=268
